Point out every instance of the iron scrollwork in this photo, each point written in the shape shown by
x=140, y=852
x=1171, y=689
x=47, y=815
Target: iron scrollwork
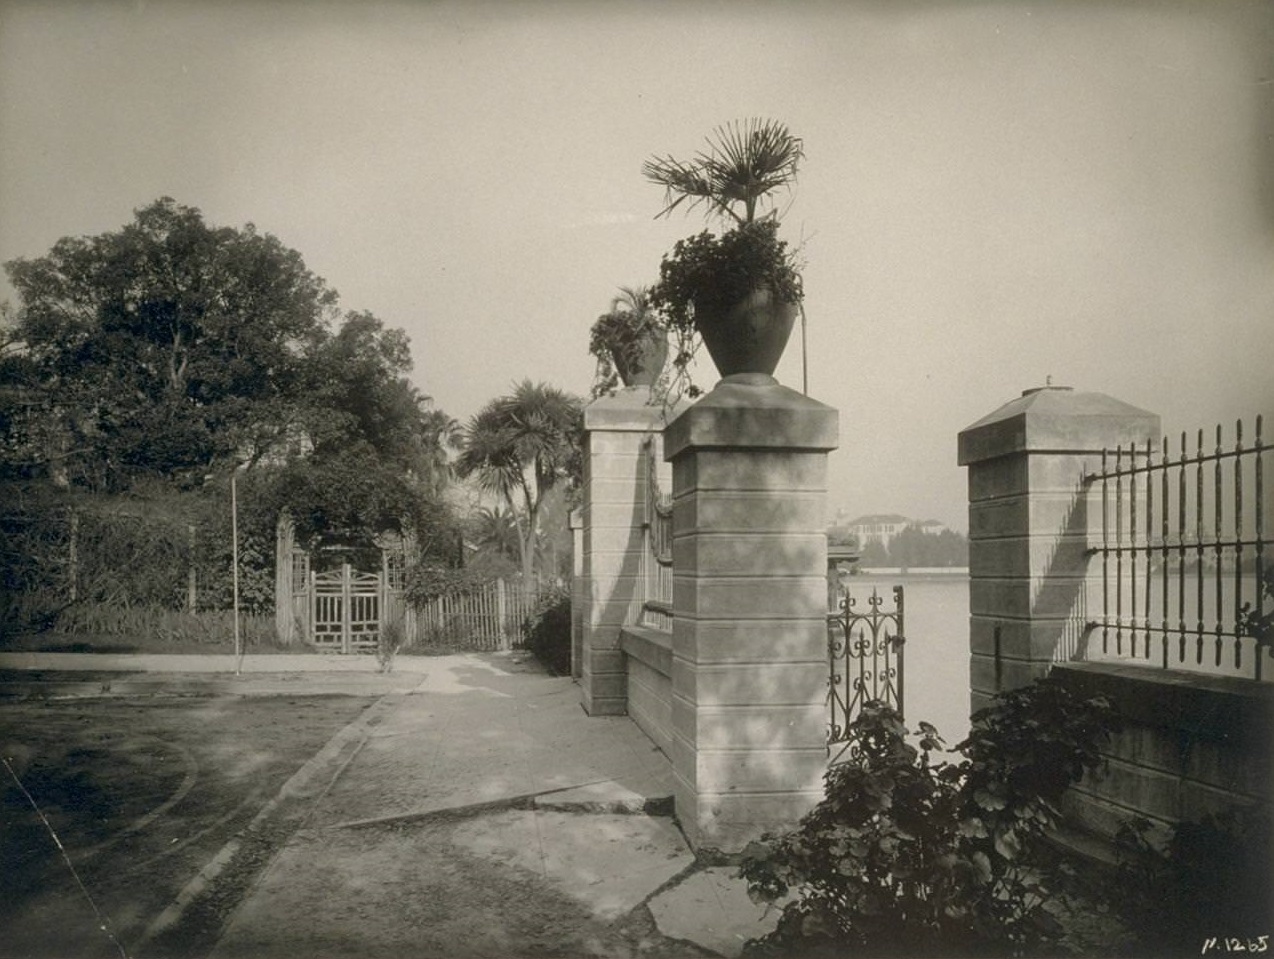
x=865, y=657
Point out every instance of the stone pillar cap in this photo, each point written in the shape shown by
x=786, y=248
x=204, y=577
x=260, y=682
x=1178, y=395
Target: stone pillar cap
x=632, y=409
x=757, y=413
x=1056, y=419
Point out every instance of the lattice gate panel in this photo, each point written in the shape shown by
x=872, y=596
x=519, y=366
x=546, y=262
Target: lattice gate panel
x=345, y=611
x=364, y=611
x=327, y=610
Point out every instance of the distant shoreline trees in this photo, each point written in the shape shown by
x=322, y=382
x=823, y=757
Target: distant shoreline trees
x=913, y=546
x=916, y=547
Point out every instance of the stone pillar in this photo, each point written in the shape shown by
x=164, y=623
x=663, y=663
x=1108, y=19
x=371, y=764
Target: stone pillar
x=576, y=520
x=613, y=514
x=1031, y=517
x=749, y=666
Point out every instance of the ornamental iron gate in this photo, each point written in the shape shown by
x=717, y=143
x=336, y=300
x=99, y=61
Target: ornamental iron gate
x=345, y=610
x=865, y=655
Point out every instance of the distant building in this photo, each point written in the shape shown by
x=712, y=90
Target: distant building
x=883, y=527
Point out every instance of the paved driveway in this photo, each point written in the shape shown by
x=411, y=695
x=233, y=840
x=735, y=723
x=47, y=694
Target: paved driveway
x=141, y=791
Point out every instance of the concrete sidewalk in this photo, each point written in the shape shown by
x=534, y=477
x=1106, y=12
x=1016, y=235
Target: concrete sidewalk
x=487, y=759
x=475, y=811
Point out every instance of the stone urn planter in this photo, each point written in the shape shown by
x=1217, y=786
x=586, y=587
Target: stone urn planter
x=748, y=337
x=630, y=342
x=642, y=362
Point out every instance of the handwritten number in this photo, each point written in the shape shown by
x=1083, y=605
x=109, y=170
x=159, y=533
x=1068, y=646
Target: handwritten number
x=1213, y=943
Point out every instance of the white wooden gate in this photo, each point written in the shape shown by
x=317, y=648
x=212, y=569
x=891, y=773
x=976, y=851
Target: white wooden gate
x=345, y=610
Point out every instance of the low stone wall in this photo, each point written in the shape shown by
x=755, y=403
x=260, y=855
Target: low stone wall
x=1191, y=745
x=648, y=659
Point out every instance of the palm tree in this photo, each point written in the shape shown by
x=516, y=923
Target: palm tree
x=743, y=165
x=520, y=447
x=496, y=531
x=439, y=434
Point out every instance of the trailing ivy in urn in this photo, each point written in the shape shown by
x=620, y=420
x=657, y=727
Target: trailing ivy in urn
x=629, y=342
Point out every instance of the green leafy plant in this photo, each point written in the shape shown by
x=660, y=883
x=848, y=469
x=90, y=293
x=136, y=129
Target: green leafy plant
x=713, y=273
x=388, y=642
x=429, y=581
x=744, y=166
x=547, y=631
x=1210, y=879
x=620, y=339
x=1260, y=625
x=909, y=854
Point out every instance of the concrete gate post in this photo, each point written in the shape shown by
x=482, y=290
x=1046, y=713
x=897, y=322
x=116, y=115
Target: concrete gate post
x=1030, y=522
x=612, y=517
x=749, y=665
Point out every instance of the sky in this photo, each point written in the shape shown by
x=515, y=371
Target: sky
x=994, y=195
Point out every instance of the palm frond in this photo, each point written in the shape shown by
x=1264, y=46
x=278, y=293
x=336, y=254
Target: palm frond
x=744, y=163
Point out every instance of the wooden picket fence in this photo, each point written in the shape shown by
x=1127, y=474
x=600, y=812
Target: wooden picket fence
x=489, y=617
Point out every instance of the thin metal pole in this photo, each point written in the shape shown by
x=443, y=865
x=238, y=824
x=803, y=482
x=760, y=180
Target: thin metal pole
x=234, y=549
x=1132, y=543
x=805, y=363
x=1198, y=546
x=1119, y=550
x=1260, y=545
x=1149, y=546
x=1238, y=540
x=1164, y=557
x=1105, y=553
x=1181, y=553
x=1217, y=498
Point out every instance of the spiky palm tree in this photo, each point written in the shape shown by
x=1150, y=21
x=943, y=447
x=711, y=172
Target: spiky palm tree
x=521, y=446
x=744, y=164
x=440, y=435
x=496, y=530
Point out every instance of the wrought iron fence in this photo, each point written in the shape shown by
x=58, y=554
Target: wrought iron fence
x=1183, y=555
x=865, y=657
x=656, y=611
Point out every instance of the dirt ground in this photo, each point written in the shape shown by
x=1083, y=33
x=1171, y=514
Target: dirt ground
x=113, y=804
x=110, y=806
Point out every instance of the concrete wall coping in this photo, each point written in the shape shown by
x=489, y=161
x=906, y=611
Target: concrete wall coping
x=650, y=646
x=1209, y=707
x=741, y=414
x=1056, y=419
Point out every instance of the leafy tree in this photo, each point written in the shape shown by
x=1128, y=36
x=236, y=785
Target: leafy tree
x=915, y=546
x=359, y=394
x=174, y=352
x=165, y=347
x=841, y=536
x=520, y=447
x=874, y=554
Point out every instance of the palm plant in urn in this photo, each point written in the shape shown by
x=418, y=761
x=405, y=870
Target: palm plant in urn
x=629, y=341
x=740, y=290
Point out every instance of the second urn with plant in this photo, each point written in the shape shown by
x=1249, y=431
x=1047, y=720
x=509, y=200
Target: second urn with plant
x=740, y=291
x=629, y=342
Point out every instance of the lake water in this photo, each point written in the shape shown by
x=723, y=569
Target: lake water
x=936, y=662
x=936, y=626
